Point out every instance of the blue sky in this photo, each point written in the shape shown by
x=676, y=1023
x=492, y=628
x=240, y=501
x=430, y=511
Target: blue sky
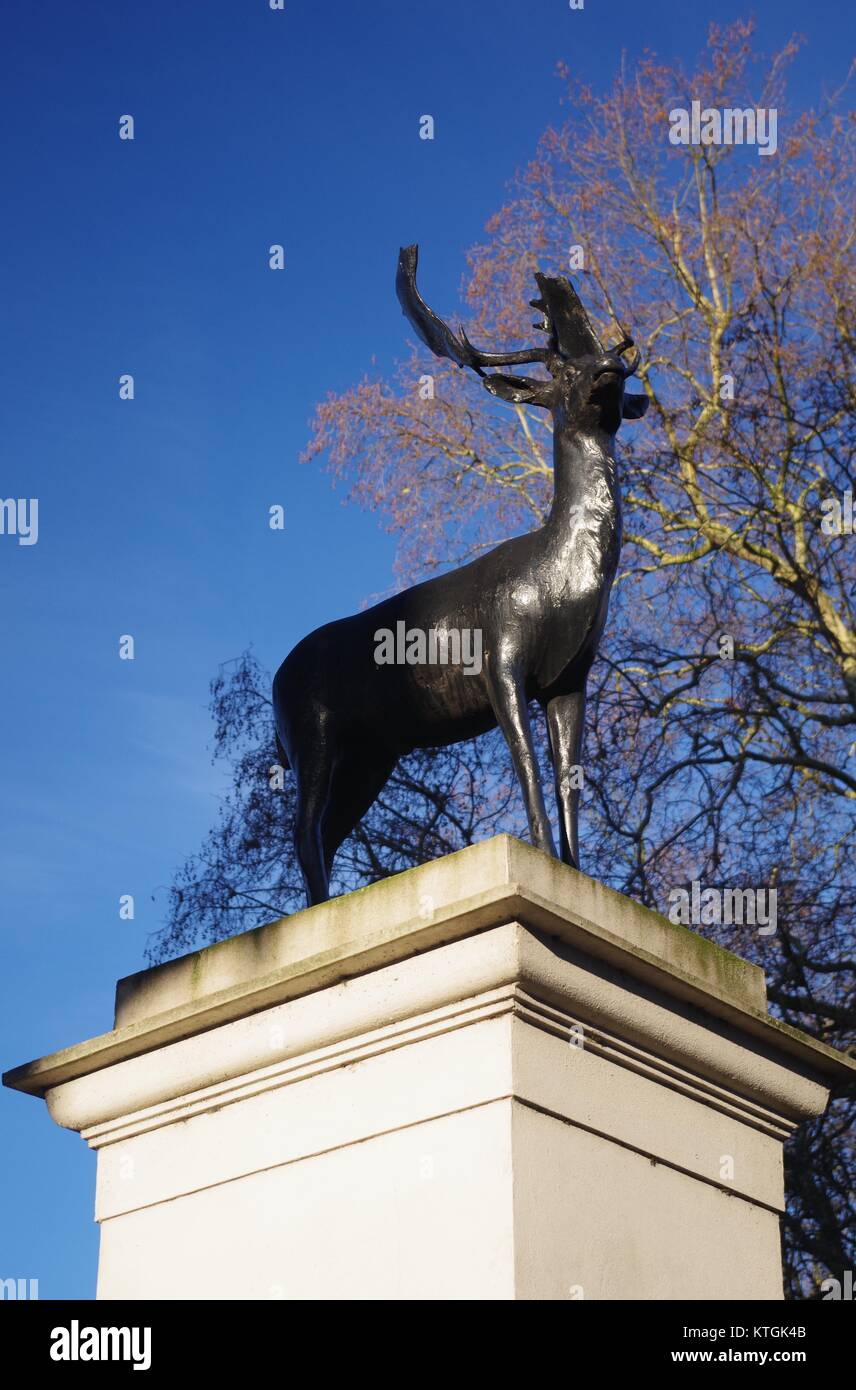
x=149, y=257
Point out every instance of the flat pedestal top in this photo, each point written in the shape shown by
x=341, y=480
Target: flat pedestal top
x=501, y=880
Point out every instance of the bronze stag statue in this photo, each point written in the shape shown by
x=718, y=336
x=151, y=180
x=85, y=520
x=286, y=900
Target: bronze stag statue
x=538, y=603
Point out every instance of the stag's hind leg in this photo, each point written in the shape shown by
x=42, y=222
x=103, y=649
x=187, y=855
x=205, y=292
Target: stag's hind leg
x=358, y=780
x=314, y=772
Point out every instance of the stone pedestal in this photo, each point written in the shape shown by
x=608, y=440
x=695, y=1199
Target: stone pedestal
x=487, y=1078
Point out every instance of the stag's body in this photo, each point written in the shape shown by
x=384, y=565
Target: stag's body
x=540, y=603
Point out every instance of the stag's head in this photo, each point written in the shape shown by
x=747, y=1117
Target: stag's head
x=586, y=384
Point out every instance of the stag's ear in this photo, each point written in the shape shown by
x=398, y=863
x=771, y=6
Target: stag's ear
x=635, y=405
x=520, y=390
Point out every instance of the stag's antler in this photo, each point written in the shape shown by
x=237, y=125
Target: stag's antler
x=436, y=335
x=565, y=319
x=562, y=317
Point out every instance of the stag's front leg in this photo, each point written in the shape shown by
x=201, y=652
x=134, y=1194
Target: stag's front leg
x=508, y=698
x=565, y=721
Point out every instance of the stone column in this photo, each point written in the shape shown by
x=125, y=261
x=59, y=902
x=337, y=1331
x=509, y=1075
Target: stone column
x=486, y=1078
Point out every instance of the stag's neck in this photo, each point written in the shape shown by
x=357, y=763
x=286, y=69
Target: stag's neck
x=585, y=473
